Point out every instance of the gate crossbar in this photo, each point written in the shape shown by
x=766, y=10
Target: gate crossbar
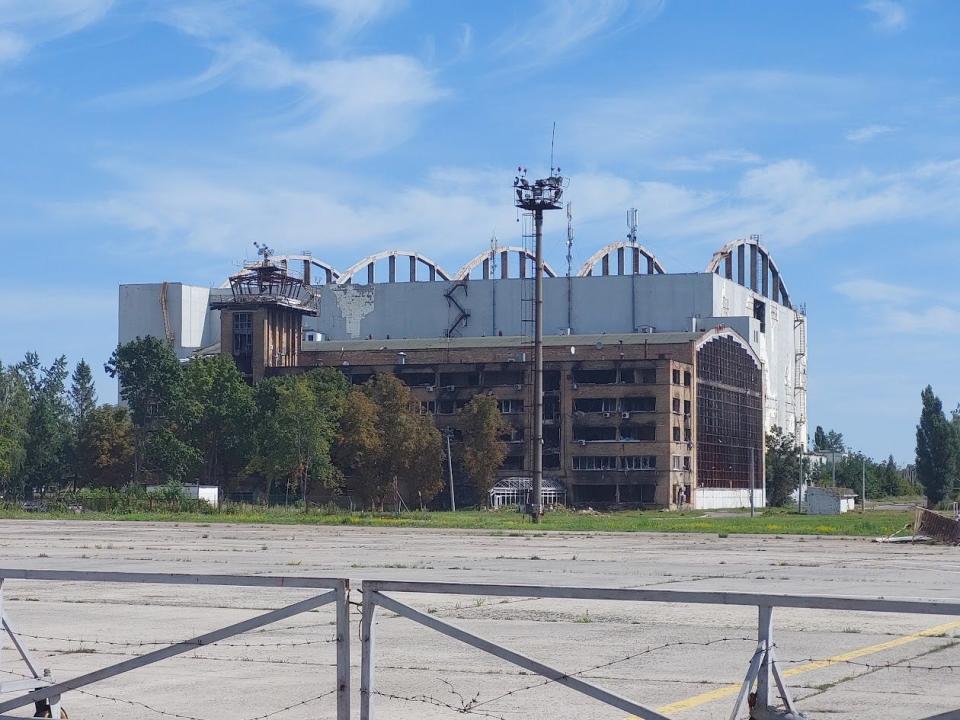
x=552, y=674
x=338, y=590
x=763, y=668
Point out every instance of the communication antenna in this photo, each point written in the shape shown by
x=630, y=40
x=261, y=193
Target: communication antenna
x=632, y=215
x=535, y=198
x=569, y=239
x=263, y=251
x=493, y=254
x=553, y=137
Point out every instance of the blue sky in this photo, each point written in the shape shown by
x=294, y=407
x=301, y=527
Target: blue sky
x=145, y=141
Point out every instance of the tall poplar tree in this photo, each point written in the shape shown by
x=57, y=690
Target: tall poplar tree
x=936, y=450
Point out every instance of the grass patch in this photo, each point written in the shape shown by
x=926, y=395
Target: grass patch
x=769, y=521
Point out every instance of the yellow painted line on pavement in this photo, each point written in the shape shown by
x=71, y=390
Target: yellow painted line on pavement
x=732, y=690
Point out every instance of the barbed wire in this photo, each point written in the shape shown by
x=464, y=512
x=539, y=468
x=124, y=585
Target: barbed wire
x=616, y=661
x=154, y=643
x=177, y=715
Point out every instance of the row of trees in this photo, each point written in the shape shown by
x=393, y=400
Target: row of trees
x=303, y=436
x=850, y=469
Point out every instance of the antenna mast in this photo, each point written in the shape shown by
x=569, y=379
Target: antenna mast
x=535, y=197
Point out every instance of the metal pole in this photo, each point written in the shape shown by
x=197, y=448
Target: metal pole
x=753, y=503
x=536, y=506
x=863, y=484
x=343, y=651
x=366, y=655
x=800, y=481
x=453, y=500
x=833, y=464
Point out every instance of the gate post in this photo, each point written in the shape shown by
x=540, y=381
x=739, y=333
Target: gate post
x=343, y=650
x=367, y=649
x=764, y=643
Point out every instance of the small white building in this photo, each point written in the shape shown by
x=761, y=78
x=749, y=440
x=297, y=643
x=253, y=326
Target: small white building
x=829, y=501
x=209, y=493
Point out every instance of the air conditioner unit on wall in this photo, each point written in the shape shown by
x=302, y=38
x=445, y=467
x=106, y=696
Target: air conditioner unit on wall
x=606, y=414
x=625, y=416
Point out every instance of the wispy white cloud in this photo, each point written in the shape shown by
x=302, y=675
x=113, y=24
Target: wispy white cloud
x=349, y=16
x=563, y=26
x=889, y=16
x=937, y=320
x=25, y=24
x=353, y=107
x=867, y=290
x=869, y=132
x=711, y=160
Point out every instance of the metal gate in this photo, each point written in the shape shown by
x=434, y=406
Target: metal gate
x=763, y=672
x=42, y=687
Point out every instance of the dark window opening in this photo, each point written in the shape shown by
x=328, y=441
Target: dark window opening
x=593, y=434
x=648, y=376
x=360, y=378
x=639, y=404
x=595, y=405
x=627, y=375
x=687, y=378
x=551, y=380
x=459, y=379
x=595, y=493
x=243, y=333
x=418, y=379
x=686, y=407
x=638, y=432
x=496, y=378
x=638, y=493
x=676, y=405
x=595, y=377
x=676, y=377
x=551, y=437
x=760, y=313
x=676, y=433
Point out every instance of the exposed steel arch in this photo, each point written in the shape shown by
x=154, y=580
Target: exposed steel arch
x=502, y=253
x=621, y=250
x=755, y=268
x=434, y=271
x=305, y=266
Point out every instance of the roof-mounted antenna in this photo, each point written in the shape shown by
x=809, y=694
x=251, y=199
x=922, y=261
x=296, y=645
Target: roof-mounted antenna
x=553, y=137
x=632, y=215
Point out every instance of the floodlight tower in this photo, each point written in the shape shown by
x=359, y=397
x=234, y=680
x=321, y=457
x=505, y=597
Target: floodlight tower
x=535, y=197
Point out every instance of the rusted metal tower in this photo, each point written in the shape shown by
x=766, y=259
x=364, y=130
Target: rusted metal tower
x=535, y=197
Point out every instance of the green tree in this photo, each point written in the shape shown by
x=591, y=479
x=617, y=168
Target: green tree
x=218, y=411
x=410, y=458
x=48, y=424
x=482, y=426
x=151, y=383
x=782, y=466
x=294, y=435
x=359, y=447
x=82, y=395
x=105, y=448
x=890, y=480
x=936, y=450
x=14, y=416
x=828, y=442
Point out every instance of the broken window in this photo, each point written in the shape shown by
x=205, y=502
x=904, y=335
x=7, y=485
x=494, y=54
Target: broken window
x=595, y=377
x=639, y=404
x=639, y=462
x=647, y=431
x=593, y=434
x=594, y=405
x=510, y=407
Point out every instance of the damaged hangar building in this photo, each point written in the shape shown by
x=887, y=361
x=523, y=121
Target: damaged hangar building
x=659, y=387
